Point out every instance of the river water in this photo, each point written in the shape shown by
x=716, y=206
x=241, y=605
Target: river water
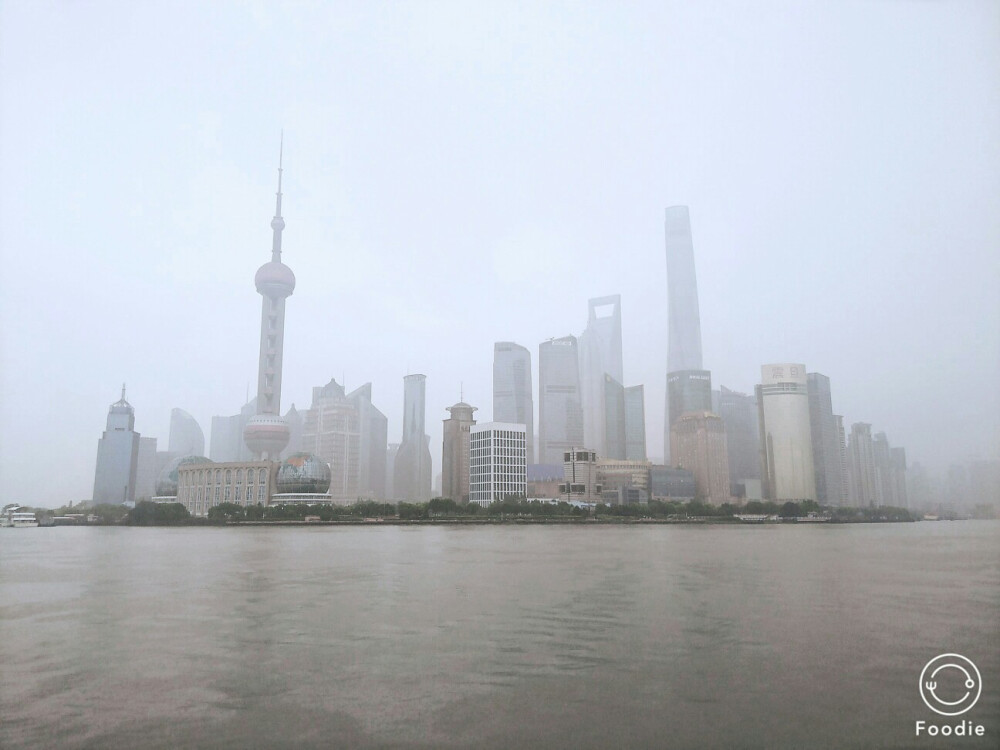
x=492, y=637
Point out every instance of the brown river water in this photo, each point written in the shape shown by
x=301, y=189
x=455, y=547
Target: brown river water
x=506, y=636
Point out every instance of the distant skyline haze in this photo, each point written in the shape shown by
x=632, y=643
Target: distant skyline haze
x=459, y=175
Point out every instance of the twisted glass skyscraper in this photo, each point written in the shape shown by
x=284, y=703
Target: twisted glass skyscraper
x=688, y=385
x=684, y=321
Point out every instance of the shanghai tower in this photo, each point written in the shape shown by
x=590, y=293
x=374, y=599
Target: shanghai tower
x=689, y=387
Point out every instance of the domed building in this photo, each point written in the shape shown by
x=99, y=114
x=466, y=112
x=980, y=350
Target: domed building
x=166, y=483
x=303, y=473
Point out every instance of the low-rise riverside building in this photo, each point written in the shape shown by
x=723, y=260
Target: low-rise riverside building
x=621, y=473
x=580, y=477
x=202, y=484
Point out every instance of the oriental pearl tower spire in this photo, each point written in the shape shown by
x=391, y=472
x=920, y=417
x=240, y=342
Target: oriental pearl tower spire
x=267, y=433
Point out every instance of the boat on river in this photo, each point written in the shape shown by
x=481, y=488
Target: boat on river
x=15, y=517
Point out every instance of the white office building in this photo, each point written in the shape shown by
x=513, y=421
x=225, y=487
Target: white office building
x=498, y=465
x=786, y=437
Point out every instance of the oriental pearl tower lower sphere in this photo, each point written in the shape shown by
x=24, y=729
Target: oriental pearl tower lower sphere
x=267, y=433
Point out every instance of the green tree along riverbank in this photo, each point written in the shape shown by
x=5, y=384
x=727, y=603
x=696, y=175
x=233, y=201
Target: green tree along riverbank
x=512, y=509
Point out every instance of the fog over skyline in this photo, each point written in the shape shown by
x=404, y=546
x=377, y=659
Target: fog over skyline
x=458, y=175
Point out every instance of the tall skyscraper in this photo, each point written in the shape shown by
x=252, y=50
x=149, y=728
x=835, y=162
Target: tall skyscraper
x=185, y=437
x=390, y=470
x=861, y=466
x=294, y=420
x=787, y=469
x=600, y=349
x=512, y=400
x=226, y=443
x=347, y=432
x=984, y=484
x=374, y=436
x=739, y=414
x=687, y=391
x=412, y=465
x=498, y=462
x=882, y=452
x=699, y=442
x=455, y=452
x=560, y=409
x=845, y=477
x=147, y=469
x=825, y=440
x=683, y=317
x=635, y=423
x=117, y=456
x=614, y=419
x=897, y=465
x=267, y=433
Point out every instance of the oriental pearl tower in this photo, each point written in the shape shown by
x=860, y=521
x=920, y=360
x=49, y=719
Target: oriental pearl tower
x=267, y=433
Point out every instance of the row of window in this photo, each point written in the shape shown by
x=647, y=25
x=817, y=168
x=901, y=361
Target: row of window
x=512, y=452
x=777, y=388
x=203, y=476
x=500, y=436
x=199, y=501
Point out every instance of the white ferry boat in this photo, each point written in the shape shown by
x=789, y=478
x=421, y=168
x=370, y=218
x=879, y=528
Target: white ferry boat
x=17, y=518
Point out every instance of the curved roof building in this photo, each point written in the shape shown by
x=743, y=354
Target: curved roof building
x=186, y=437
x=166, y=484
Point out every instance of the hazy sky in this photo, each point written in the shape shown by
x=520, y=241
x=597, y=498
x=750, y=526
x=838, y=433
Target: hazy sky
x=462, y=173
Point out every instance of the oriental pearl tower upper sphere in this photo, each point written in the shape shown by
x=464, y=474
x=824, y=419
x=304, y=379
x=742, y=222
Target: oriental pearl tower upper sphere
x=274, y=279
x=267, y=433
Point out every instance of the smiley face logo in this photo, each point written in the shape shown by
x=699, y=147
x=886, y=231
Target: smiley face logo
x=950, y=684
